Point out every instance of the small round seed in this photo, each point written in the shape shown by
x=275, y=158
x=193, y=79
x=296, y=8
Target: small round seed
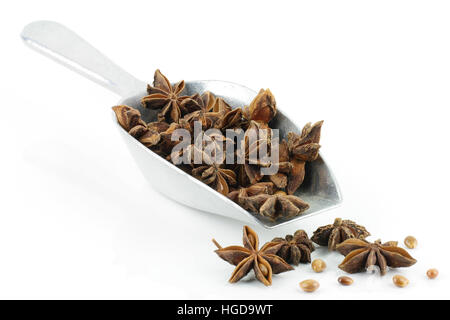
x=432, y=273
x=318, y=265
x=410, y=242
x=345, y=281
x=309, y=285
x=400, y=281
x=263, y=269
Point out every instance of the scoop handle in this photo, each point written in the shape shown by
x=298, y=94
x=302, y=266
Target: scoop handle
x=66, y=47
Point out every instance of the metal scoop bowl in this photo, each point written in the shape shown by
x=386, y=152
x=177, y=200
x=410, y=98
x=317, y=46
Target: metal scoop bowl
x=55, y=41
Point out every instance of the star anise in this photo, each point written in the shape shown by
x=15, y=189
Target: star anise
x=303, y=148
x=239, y=195
x=130, y=119
x=215, y=144
x=296, y=248
x=263, y=261
x=145, y=135
x=216, y=176
x=209, y=110
x=361, y=255
x=280, y=179
x=231, y=119
x=257, y=147
x=162, y=95
x=262, y=108
x=278, y=205
x=165, y=147
x=333, y=234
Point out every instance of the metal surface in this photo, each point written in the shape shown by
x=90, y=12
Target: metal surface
x=319, y=189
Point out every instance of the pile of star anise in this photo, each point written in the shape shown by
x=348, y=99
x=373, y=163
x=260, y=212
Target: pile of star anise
x=271, y=196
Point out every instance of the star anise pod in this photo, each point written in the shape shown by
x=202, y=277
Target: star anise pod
x=209, y=110
x=278, y=205
x=303, y=148
x=262, y=108
x=333, y=234
x=215, y=144
x=263, y=261
x=296, y=248
x=239, y=195
x=145, y=135
x=166, y=144
x=162, y=95
x=216, y=176
x=361, y=255
x=130, y=119
x=231, y=119
x=280, y=179
x=257, y=146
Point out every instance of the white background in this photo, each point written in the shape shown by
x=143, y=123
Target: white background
x=78, y=220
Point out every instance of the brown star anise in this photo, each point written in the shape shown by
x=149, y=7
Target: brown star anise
x=296, y=248
x=209, y=110
x=263, y=261
x=130, y=119
x=230, y=119
x=303, y=148
x=280, y=179
x=257, y=147
x=162, y=95
x=166, y=144
x=278, y=205
x=262, y=108
x=216, y=176
x=333, y=234
x=361, y=255
x=253, y=190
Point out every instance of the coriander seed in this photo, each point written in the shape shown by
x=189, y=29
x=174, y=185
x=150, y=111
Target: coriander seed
x=400, y=281
x=432, y=273
x=318, y=265
x=410, y=242
x=309, y=285
x=345, y=281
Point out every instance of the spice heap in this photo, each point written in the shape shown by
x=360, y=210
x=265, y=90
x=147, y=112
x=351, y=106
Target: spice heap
x=268, y=195
x=344, y=236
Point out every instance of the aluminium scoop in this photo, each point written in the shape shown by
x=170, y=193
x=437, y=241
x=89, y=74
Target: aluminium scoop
x=319, y=189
